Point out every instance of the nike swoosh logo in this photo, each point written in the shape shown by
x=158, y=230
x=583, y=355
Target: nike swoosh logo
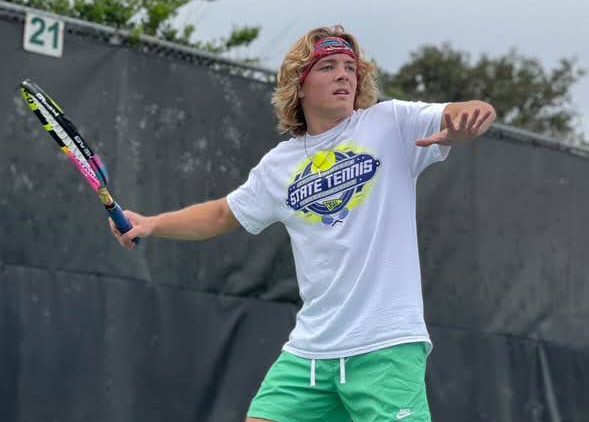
x=403, y=415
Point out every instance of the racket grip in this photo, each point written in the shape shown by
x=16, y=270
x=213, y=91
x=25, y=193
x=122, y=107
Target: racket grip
x=121, y=221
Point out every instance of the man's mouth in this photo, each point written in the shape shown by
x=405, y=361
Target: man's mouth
x=341, y=92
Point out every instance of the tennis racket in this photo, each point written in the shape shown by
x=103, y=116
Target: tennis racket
x=63, y=131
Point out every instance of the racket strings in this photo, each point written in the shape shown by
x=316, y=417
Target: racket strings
x=71, y=149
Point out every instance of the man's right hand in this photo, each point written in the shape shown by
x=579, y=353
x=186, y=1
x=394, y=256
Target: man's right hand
x=142, y=227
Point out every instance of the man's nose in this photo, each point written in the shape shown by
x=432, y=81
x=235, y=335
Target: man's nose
x=341, y=73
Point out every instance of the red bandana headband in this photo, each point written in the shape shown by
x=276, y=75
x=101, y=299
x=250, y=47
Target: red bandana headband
x=327, y=47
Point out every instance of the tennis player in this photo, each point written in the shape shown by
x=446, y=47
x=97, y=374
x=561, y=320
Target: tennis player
x=344, y=187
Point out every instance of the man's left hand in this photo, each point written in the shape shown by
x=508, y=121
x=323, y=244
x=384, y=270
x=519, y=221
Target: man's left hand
x=467, y=127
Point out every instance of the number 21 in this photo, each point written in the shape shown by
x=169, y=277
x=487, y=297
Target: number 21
x=40, y=24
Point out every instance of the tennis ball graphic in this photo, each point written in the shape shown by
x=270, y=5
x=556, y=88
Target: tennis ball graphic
x=323, y=161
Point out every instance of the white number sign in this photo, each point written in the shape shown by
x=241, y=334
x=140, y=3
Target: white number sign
x=43, y=35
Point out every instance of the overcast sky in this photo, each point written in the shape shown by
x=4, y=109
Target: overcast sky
x=389, y=29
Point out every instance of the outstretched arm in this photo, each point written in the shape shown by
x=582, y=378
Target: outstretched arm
x=195, y=222
x=461, y=123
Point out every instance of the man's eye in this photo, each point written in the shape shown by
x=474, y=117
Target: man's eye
x=328, y=67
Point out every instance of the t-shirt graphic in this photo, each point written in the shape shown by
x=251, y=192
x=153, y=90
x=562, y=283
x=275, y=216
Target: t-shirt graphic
x=328, y=186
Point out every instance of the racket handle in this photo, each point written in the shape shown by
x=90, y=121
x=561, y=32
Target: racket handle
x=121, y=221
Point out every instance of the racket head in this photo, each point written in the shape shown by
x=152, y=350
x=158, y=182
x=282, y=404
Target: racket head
x=38, y=99
x=64, y=133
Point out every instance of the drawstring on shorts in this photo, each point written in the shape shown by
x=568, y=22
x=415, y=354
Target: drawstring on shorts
x=342, y=371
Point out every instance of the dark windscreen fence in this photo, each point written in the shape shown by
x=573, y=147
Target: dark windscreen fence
x=185, y=331
x=503, y=234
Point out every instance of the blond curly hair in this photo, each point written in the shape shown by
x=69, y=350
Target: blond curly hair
x=285, y=99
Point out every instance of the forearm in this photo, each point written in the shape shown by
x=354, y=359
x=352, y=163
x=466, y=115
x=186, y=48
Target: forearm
x=195, y=222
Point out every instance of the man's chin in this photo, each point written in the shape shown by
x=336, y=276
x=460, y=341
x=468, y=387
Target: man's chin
x=342, y=103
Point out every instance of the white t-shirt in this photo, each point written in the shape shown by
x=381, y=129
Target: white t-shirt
x=347, y=201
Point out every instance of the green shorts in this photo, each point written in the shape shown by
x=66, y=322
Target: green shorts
x=386, y=385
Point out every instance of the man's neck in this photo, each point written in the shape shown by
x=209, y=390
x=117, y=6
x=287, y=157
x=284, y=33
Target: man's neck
x=318, y=125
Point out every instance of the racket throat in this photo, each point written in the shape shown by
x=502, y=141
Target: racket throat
x=106, y=198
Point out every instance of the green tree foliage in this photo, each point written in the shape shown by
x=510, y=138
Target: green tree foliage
x=151, y=17
x=523, y=93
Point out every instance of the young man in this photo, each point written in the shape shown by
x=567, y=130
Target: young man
x=344, y=187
